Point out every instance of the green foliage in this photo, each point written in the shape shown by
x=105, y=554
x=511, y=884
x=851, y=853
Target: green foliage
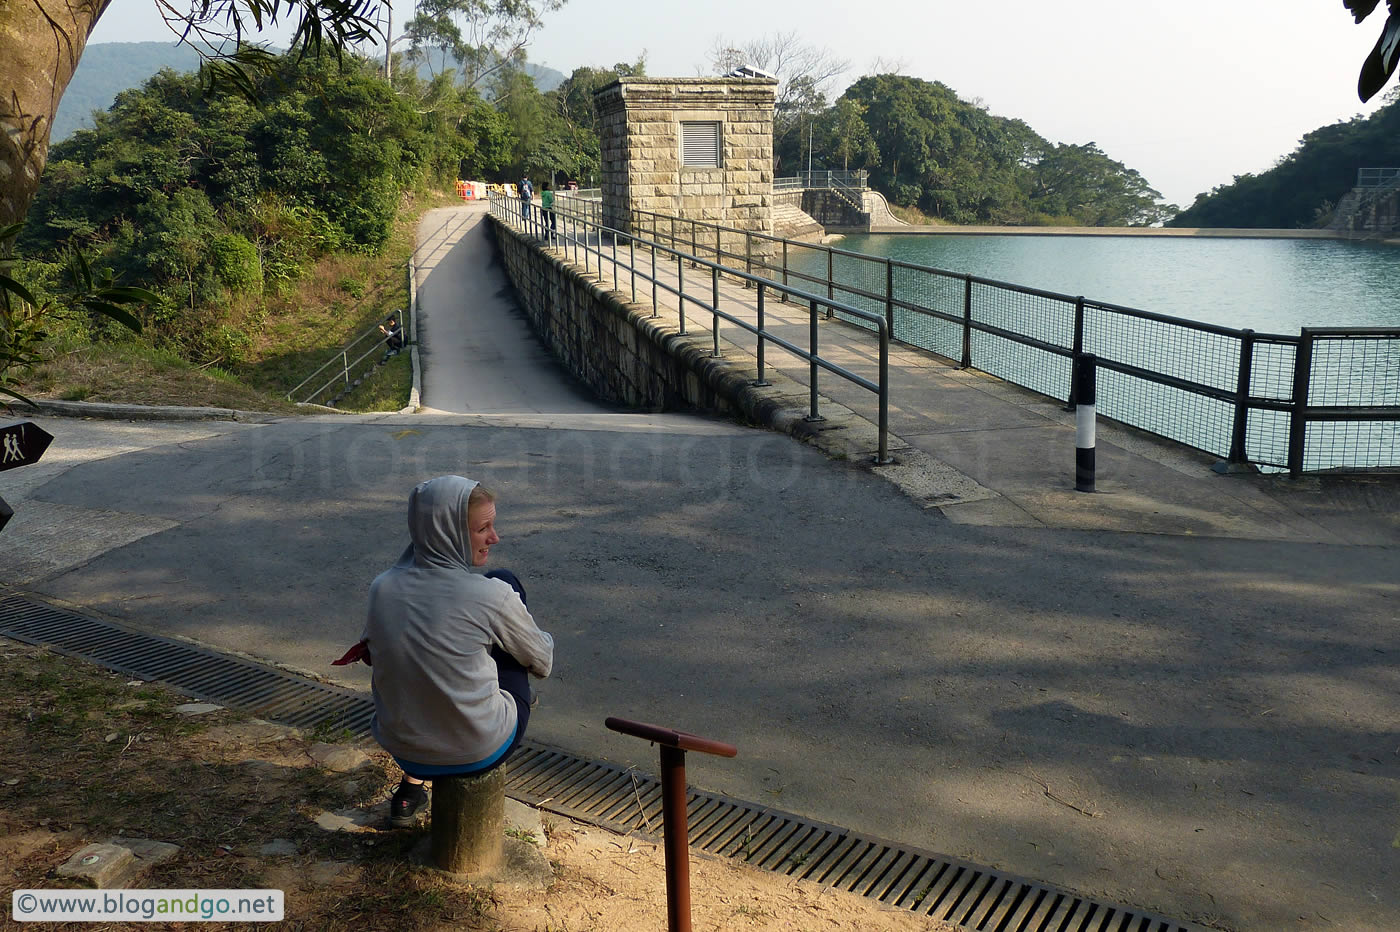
x=1380, y=64
x=927, y=148
x=25, y=319
x=1304, y=185
x=108, y=68
x=205, y=197
x=235, y=262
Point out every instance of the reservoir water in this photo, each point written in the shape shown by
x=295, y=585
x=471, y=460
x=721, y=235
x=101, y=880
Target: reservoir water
x=1270, y=285
x=1172, y=378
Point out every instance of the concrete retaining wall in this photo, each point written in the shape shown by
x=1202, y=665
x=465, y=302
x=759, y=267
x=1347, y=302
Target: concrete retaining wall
x=833, y=211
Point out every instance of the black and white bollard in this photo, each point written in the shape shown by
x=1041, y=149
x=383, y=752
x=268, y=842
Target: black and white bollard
x=1085, y=377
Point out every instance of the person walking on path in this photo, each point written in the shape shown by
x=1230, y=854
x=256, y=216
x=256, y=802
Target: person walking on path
x=547, y=209
x=451, y=650
x=527, y=194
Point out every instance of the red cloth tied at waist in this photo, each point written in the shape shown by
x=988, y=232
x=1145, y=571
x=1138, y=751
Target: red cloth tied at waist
x=359, y=652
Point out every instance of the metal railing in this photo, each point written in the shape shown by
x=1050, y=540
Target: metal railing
x=585, y=194
x=1376, y=177
x=343, y=369
x=577, y=229
x=1323, y=400
x=856, y=180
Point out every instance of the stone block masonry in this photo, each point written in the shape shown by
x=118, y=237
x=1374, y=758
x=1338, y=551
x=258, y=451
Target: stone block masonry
x=613, y=346
x=642, y=149
x=628, y=357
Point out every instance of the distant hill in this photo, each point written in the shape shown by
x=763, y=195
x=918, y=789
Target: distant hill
x=546, y=79
x=108, y=68
x=1302, y=189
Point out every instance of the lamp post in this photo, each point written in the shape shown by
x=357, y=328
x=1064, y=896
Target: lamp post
x=809, y=152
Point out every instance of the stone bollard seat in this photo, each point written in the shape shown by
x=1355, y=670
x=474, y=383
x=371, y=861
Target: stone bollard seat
x=468, y=823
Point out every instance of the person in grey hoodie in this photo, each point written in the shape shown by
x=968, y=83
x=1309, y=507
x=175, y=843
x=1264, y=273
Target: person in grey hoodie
x=452, y=650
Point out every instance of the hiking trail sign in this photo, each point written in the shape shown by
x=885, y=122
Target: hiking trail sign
x=21, y=443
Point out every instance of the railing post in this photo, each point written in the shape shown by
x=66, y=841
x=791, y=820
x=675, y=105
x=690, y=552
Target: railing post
x=815, y=415
x=967, y=323
x=714, y=297
x=632, y=264
x=1298, y=423
x=1238, y=436
x=785, y=271
x=655, y=307
x=830, y=281
x=680, y=290
x=889, y=296
x=760, y=381
x=719, y=251
x=1076, y=350
x=614, y=245
x=345, y=367
x=748, y=256
x=882, y=456
x=674, y=799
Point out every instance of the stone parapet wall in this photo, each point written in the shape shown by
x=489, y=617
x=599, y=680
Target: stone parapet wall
x=614, y=347
x=628, y=357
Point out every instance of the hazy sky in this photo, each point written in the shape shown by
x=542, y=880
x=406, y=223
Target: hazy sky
x=1188, y=92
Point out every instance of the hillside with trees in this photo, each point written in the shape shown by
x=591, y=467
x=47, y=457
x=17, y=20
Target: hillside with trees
x=1305, y=185
x=927, y=148
x=219, y=205
x=108, y=68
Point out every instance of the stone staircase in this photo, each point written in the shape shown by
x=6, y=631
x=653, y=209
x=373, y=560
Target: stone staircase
x=363, y=377
x=1368, y=210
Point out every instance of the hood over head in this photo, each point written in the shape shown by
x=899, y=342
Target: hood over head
x=437, y=522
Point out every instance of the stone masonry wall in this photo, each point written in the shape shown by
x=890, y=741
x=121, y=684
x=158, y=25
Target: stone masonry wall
x=616, y=348
x=641, y=152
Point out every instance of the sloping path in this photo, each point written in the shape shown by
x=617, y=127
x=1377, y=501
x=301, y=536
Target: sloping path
x=477, y=351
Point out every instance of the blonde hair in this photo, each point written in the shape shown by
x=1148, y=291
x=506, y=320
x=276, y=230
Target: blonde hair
x=480, y=495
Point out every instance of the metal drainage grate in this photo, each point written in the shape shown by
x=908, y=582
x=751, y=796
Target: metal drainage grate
x=604, y=794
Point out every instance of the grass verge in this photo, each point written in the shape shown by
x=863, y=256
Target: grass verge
x=339, y=297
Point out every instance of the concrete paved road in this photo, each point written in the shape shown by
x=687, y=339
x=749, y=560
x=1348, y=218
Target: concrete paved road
x=478, y=354
x=1202, y=727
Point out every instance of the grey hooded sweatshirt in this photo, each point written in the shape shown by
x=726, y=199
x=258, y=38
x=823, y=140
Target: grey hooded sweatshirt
x=432, y=624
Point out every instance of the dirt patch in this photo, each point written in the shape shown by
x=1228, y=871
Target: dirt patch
x=94, y=756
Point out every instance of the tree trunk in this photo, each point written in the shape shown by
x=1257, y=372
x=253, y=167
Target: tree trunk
x=40, y=44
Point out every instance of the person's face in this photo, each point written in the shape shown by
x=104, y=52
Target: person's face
x=481, y=531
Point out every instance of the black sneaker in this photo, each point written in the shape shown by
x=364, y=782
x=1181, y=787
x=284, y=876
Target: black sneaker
x=409, y=800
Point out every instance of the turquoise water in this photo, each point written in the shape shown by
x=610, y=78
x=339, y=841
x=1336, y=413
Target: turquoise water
x=1269, y=286
x=1274, y=286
